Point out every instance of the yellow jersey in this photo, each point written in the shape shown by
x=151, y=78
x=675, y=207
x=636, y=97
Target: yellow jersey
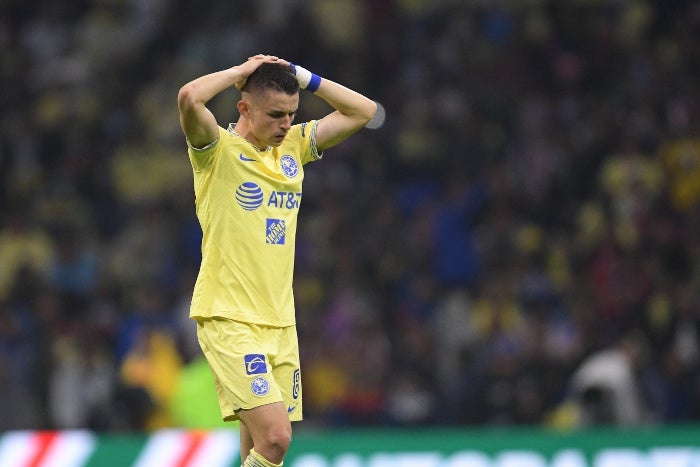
x=247, y=201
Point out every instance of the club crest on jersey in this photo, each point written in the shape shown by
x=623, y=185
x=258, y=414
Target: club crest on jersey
x=289, y=166
x=260, y=386
x=249, y=196
x=276, y=231
x=255, y=364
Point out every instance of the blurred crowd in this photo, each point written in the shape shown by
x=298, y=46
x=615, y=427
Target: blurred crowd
x=519, y=244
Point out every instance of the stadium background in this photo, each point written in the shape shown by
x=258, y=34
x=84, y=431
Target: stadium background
x=533, y=199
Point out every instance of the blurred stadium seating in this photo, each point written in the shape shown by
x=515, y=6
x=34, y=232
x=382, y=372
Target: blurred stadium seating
x=532, y=200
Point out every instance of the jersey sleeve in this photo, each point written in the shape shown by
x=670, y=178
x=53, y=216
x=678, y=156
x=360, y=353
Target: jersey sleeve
x=307, y=135
x=201, y=158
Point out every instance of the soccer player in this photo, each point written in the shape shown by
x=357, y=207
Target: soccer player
x=248, y=190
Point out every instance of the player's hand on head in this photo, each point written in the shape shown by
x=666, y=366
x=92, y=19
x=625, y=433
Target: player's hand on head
x=253, y=63
x=260, y=59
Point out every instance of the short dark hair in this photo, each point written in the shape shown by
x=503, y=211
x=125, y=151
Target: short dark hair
x=272, y=76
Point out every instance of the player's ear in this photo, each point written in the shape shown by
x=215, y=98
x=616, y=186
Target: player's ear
x=243, y=108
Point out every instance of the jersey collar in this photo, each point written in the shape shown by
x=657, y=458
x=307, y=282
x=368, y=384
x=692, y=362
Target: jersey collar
x=231, y=130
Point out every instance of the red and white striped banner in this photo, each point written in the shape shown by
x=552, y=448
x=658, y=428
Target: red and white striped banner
x=167, y=448
x=46, y=448
x=176, y=448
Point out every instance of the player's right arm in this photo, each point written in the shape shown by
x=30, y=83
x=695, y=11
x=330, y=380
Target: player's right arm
x=197, y=121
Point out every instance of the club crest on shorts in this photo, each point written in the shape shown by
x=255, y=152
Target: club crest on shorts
x=260, y=386
x=255, y=364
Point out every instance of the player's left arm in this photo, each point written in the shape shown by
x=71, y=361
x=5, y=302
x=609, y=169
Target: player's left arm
x=352, y=112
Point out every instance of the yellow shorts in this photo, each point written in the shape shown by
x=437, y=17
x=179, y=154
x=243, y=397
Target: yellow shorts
x=252, y=365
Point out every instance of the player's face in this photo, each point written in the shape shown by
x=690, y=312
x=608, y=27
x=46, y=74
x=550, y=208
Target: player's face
x=271, y=116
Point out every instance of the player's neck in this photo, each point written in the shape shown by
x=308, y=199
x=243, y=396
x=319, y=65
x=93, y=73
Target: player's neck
x=241, y=129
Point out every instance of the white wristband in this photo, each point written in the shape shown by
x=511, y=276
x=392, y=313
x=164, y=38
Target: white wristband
x=306, y=79
x=303, y=76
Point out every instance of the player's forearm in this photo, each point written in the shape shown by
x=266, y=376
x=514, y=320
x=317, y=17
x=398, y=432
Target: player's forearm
x=350, y=104
x=204, y=88
x=346, y=101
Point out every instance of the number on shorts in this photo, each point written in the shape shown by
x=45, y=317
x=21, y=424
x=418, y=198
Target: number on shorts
x=297, y=383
